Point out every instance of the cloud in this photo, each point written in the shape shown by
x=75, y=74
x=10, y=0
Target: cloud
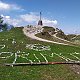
x=34, y=18
x=6, y=6
x=26, y=19
x=14, y=22
x=5, y=17
x=48, y=22
x=29, y=18
x=11, y=21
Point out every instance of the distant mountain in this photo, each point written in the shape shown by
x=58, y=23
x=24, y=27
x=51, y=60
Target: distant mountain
x=4, y=26
x=8, y=27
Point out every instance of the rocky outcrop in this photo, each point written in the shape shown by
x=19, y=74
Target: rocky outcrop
x=55, y=31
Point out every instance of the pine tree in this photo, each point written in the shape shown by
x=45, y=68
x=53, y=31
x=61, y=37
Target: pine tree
x=3, y=26
x=1, y=21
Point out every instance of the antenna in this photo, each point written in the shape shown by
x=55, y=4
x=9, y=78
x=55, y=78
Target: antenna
x=40, y=15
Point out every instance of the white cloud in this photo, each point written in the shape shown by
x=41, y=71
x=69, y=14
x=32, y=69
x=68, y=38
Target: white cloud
x=48, y=22
x=14, y=22
x=33, y=17
x=26, y=19
x=7, y=17
x=6, y=6
x=2, y=15
x=29, y=17
x=11, y=21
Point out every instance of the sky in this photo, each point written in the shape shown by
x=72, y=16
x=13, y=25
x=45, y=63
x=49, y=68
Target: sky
x=64, y=14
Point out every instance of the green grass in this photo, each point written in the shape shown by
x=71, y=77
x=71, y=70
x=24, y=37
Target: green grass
x=48, y=29
x=45, y=35
x=44, y=72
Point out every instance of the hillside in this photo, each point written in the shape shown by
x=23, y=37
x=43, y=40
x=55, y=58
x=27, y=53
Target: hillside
x=74, y=38
x=55, y=34
x=59, y=33
x=15, y=47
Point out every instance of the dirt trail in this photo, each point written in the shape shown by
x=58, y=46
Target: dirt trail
x=32, y=35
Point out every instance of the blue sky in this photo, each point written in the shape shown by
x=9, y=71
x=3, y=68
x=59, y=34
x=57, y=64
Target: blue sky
x=64, y=14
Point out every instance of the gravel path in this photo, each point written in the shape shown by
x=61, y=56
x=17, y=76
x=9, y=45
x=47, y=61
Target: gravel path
x=32, y=35
x=60, y=38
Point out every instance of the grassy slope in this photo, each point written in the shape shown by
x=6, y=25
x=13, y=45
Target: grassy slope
x=49, y=72
x=74, y=38
x=52, y=38
x=46, y=35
